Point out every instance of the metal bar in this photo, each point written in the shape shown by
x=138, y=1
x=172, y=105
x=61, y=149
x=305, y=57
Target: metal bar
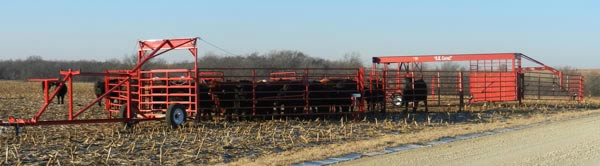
x=439, y=89
x=43, y=109
x=64, y=122
x=107, y=102
x=460, y=90
x=442, y=58
x=99, y=98
x=46, y=91
x=70, y=92
x=196, y=79
x=129, y=104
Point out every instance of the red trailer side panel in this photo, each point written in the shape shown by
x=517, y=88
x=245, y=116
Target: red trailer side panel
x=493, y=86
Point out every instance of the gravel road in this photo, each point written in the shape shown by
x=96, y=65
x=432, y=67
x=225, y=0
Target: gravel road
x=569, y=142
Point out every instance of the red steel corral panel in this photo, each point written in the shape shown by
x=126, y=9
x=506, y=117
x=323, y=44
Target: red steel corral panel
x=493, y=86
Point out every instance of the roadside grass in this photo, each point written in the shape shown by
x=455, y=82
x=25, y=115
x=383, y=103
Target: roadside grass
x=428, y=133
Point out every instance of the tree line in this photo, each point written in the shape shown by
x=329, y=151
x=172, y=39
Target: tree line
x=37, y=67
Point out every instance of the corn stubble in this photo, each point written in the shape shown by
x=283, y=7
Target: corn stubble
x=207, y=142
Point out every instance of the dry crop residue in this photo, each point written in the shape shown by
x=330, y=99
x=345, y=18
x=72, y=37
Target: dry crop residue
x=207, y=142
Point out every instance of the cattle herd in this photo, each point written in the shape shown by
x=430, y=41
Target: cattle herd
x=281, y=97
x=245, y=98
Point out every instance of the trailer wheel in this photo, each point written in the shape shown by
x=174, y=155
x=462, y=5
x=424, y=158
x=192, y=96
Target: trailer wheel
x=176, y=115
x=396, y=100
x=132, y=114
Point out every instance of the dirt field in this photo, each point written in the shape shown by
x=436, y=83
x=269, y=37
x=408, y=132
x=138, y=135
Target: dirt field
x=571, y=142
x=258, y=142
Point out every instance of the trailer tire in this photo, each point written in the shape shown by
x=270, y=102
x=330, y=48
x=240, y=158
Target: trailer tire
x=176, y=115
x=133, y=114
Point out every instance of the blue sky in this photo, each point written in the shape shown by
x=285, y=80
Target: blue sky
x=555, y=32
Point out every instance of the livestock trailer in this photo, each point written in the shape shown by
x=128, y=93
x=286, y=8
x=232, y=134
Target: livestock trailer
x=177, y=95
x=459, y=79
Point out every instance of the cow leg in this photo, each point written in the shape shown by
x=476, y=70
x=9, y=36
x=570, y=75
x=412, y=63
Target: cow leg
x=405, y=104
x=99, y=102
x=415, y=105
x=229, y=113
x=426, y=107
x=237, y=111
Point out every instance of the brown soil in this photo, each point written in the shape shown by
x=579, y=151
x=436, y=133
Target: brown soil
x=274, y=142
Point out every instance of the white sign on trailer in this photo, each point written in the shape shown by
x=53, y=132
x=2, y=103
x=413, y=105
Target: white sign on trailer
x=443, y=58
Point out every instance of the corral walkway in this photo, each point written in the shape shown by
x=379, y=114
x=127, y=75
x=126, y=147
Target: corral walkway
x=570, y=142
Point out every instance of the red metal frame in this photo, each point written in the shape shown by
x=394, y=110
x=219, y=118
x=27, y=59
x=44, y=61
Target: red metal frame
x=442, y=58
x=46, y=82
x=155, y=47
x=141, y=88
x=484, y=72
x=290, y=76
x=207, y=76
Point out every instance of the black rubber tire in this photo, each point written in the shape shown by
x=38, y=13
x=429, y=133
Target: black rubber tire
x=176, y=115
x=133, y=114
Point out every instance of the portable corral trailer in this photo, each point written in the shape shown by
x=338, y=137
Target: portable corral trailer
x=497, y=77
x=176, y=95
x=122, y=87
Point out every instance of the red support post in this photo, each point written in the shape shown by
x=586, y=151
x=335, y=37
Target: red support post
x=560, y=79
x=460, y=91
x=581, y=89
x=46, y=91
x=433, y=83
x=107, y=100
x=70, y=92
x=439, y=93
x=384, y=84
x=128, y=83
x=362, y=89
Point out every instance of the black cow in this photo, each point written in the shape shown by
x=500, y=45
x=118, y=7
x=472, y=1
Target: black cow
x=291, y=96
x=267, y=97
x=99, y=90
x=205, y=101
x=50, y=84
x=320, y=96
x=243, y=97
x=344, y=90
x=375, y=96
x=414, y=95
x=61, y=92
x=225, y=93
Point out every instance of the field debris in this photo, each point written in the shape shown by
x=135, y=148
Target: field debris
x=214, y=142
